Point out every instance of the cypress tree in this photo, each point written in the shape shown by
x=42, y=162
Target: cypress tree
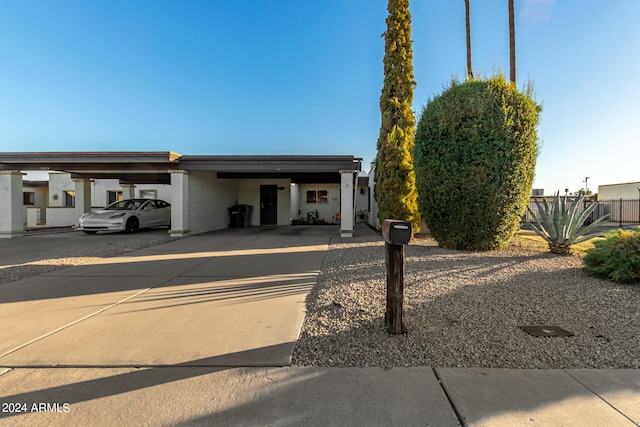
x=395, y=188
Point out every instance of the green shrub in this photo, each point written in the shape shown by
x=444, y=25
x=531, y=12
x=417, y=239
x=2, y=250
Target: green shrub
x=616, y=258
x=395, y=189
x=475, y=154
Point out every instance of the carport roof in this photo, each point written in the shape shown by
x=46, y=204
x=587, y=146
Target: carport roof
x=154, y=166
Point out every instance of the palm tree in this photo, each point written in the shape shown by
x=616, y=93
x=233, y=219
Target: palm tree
x=468, y=19
x=512, y=44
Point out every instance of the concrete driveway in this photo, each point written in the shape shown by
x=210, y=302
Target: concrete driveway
x=228, y=298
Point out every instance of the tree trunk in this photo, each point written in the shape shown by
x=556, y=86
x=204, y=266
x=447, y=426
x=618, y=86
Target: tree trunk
x=512, y=44
x=561, y=248
x=394, y=316
x=468, y=24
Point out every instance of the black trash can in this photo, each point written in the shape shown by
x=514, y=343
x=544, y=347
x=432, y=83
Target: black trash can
x=236, y=218
x=246, y=215
x=240, y=216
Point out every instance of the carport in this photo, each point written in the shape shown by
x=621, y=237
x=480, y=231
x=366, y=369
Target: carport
x=202, y=186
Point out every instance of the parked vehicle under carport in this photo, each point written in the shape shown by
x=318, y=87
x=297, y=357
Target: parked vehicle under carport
x=127, y=216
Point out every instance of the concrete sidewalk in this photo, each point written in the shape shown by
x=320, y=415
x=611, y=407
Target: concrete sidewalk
x=307, y=396
x=200, y=331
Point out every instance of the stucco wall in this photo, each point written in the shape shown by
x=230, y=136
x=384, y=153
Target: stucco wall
x=209, y=199
x=362, y=199
x=249, y=194
x=294, y=197
x=326, y=211
x=58, y=184
x=61, y=216
x=41, y=199
x=101, y=187
x=373, y=212
x=619, y=191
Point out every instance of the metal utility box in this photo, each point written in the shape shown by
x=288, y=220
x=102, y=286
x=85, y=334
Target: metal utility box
x=396, y=232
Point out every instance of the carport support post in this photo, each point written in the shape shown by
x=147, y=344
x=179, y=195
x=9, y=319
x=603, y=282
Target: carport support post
x=82, y=198
x=128, y=191
x=11, y=221
x=347, y=215
x=394, y=315
x=179, y=203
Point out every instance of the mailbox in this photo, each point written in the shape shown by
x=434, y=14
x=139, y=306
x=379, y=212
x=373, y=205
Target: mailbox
x=396, y=232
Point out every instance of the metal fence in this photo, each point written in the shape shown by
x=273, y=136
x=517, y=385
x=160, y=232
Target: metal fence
x=621, y=211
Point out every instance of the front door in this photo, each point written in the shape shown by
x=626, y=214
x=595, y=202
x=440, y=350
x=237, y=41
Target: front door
x=268, y=204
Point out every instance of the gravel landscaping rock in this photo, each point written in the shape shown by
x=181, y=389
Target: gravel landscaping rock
x=465, y=309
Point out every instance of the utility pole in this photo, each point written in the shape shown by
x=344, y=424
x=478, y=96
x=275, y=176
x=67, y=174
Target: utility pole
x=586, y=186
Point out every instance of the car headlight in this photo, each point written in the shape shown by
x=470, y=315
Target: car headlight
x=84, y=215
x=118, y=215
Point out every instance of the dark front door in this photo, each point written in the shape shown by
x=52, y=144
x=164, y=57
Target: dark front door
x=268, y=204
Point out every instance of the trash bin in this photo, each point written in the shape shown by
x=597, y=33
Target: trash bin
x=246, y=215
x=240, y=216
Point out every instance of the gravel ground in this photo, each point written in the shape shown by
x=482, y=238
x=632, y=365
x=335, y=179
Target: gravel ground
x=465, y=309
x=35, y=268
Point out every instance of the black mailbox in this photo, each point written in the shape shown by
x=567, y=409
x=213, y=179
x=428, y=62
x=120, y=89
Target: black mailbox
x=396, y=232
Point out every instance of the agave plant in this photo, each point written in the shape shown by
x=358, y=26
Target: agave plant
x=561, y=223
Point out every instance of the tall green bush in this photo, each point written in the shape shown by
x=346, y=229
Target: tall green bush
x=616, y=258
x=475, y=156
x=395, y=188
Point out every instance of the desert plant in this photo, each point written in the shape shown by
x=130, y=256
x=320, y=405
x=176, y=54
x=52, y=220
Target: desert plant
x=560, y=223
x=616, y=257
x=475, y=156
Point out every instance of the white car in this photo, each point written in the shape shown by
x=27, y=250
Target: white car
x=127, y=216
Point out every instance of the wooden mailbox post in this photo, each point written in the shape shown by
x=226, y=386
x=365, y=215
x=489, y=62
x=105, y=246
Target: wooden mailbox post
x=396, y=234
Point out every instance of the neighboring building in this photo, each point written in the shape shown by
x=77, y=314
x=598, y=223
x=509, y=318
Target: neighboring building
x=363, y=202
x=34, y=199
x=103, y=191
x=373, y=220
x=621, y=202
x=201, y=189
x=629, y=190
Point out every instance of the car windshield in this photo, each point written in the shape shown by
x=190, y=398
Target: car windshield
x=124, y=205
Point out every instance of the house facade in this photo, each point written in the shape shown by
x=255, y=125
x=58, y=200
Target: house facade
x=200, y=188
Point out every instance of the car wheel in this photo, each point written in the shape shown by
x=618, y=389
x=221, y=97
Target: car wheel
x=89, y=232
x=132, y=225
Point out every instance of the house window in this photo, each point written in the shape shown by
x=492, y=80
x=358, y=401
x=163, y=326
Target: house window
x=318, y=196
x=113, y=196
x=29, y=198
x=69, y=198
x=311, y=196
x=149, y=194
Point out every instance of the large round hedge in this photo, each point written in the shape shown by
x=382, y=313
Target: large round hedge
x=475, y=154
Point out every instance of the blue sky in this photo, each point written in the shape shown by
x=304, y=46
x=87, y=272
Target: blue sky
x=304, y=77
